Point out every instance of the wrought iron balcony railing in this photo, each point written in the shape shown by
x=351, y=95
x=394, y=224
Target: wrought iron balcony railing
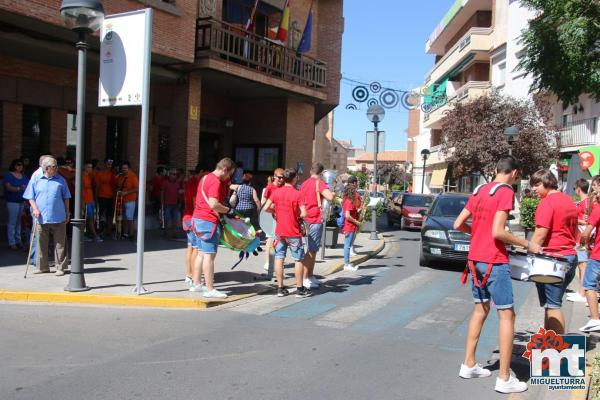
x=579, y=133
x=228, y=42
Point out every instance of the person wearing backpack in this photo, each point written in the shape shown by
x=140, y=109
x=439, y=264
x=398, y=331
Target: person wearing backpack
x=349, y=220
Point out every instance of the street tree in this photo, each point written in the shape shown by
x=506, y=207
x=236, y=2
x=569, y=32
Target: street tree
x=562, y=47
x=393, y=174
x=474, y=136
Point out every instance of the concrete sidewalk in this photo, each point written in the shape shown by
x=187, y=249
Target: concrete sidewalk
x=110, y=273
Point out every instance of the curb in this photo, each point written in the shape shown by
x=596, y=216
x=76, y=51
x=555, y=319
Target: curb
x=149, y=301
x=357, y=259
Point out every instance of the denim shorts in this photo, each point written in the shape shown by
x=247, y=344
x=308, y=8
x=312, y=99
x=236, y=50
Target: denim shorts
x=203, y=229
x=90, y=210
x=498, y=286
x=551, y=294
x=314, y=234
x=129, y=210
x=295, y=245
x=592, y=275
x=186, y=225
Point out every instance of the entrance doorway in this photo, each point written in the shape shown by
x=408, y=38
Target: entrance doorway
x=211, y=149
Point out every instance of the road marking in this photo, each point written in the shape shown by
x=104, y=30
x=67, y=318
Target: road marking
x=345, y=316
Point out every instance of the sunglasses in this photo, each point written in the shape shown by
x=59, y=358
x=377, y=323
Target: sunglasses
x=279, y=177
x=51, y=167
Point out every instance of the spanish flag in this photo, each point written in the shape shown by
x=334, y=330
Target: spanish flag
x=282, y=32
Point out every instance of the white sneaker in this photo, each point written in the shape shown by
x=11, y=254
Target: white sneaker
x=593, y=325
x=189, y=281
x=350, y=267
x=512, y=385
x=353, y=252
x=200, y=288
x=214, y=294
x=576, y=297
x=314, y=281
x=307, y=283
x=266, y=267
x=476, y=371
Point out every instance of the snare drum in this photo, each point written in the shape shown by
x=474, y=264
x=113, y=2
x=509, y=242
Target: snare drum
x=519, y=266
x=236, y=234
x=547, y=269
x=267, y=223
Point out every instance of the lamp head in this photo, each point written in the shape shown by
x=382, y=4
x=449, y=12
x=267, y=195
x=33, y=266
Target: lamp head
x=425, y=154
x=511, y=134
x=82, y=15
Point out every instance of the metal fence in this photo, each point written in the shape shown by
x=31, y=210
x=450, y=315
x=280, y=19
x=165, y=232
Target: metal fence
x=579, y=133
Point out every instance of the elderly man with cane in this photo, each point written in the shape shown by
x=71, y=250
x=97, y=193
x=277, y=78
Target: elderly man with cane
x=49, y=199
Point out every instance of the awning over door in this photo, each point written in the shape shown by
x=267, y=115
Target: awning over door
x=438, y=176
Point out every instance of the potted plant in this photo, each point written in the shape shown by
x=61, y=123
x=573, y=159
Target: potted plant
x=332, y=230
x=367, y=225
x=527, y=214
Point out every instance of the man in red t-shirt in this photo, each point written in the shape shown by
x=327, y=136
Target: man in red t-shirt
x=592, y=270
x=267, y=192
x=313, y=191
x=488, y=207
x=156, y=184
x=89, y=200
x=189, y=200
x=556, y=231
x=582, y=187
x=288, y=212
x=205, y=222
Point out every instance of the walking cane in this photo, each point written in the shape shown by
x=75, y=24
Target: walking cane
x=35, y=224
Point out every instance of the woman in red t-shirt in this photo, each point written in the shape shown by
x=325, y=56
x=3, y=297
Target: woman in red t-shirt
x=350, y=207
x=556, y=231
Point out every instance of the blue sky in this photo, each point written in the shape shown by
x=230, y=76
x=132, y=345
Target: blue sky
x=384, y=41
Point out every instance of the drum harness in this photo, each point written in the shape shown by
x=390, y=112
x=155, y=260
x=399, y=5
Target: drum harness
x=470, y=267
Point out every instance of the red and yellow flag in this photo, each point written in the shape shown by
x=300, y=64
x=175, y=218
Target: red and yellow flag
x=282, y=32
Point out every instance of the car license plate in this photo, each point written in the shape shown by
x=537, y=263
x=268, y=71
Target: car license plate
x=461, y=247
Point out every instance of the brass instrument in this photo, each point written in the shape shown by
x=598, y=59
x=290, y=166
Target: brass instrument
x=118, y=215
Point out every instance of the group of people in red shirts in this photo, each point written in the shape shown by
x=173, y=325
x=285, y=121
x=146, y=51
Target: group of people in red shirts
x=557, y=234
x=293, y=209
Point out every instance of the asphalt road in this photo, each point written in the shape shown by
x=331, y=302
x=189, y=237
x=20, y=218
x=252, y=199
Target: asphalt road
x=392, y=330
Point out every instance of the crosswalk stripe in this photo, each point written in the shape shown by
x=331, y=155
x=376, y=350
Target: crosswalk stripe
x=344, y=316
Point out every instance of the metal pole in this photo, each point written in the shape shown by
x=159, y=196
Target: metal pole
x=141, y=223
x=423, y=178
x=77, y=278
x=374, y=210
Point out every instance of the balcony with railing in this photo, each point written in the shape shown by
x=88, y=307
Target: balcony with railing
x=226, y=42
x=579, y=133
x=436, y=111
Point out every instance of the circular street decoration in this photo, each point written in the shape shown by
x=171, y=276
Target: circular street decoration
x=360, y=94
x=426, y=107
x=414, y=99
x=372, y=102
x=375, y=87
x=405, y=101
x=389, y=98
x=351, y=106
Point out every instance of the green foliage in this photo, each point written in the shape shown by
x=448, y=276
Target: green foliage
x=528, y=207
x=474, y=138
x=379, y=210
x=595, y=379
x=562, y=47
x=361, y=176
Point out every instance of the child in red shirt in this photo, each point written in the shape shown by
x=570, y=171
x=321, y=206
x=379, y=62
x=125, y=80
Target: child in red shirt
x=288, y=212
x=350, y=208
x=556, y=230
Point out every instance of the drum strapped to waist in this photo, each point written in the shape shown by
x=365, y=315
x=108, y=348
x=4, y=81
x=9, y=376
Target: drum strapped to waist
x=539, y=268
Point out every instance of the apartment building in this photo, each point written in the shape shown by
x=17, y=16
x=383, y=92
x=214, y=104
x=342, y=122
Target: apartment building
x=216, y=89
x=332, y=153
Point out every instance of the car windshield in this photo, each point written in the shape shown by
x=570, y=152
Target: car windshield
x=448, y=206
x=417, y=201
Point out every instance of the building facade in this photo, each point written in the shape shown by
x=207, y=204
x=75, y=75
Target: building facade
x=326, y=149
x=216, y=89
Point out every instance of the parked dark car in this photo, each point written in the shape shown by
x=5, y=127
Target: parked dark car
x=439, y=240
x=405, y=209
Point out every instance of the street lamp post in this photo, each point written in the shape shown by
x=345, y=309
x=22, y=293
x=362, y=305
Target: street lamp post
x=375, y=114
x=425, y=154
x=83, y=17
x=511, y=134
